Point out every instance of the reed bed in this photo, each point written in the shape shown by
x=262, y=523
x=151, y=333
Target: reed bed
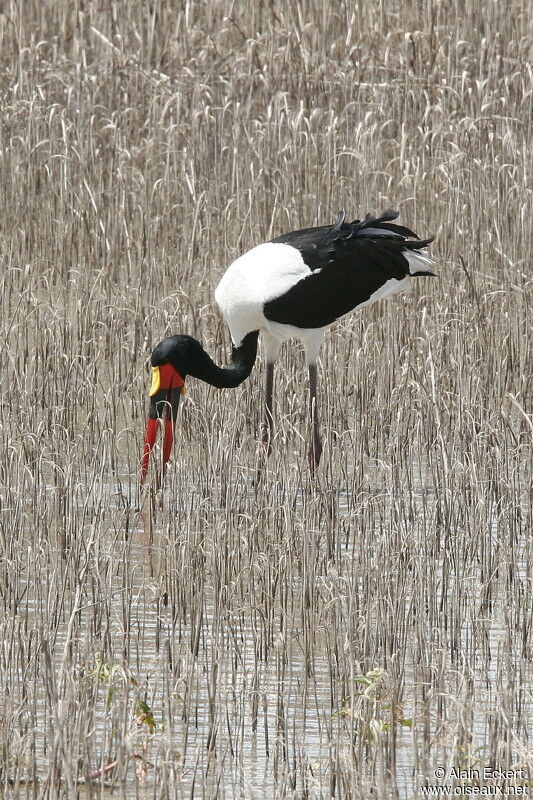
x=288, y=637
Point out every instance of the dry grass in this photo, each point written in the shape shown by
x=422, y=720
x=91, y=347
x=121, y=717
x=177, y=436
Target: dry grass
x=292, y=639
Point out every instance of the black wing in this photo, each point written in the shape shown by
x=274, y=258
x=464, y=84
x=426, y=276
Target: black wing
x=349, y=262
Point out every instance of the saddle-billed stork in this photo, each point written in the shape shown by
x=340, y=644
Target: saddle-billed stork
x=296, y=285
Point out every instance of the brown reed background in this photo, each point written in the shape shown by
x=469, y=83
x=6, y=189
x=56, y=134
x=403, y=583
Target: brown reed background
x=285, y=638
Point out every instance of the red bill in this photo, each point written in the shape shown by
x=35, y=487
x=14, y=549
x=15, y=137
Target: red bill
x=167, y=386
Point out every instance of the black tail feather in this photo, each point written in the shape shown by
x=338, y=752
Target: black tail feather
x=371, y=225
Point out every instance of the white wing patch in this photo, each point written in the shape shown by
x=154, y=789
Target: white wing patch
x=418, y=261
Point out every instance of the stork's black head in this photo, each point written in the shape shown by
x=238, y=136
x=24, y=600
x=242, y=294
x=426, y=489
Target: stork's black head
x=180, y=351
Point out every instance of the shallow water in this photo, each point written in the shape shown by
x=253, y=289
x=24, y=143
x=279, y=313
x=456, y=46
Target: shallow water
x=271, y=698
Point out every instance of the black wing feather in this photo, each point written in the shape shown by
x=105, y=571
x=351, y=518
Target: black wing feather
x=349, y=262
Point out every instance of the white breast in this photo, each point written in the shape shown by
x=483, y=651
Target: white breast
x=262, y=274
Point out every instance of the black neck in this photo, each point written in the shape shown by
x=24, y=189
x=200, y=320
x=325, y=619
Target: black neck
x=242, y=362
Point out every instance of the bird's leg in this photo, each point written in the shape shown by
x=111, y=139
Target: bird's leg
x=267, y=428
x=315, y=451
